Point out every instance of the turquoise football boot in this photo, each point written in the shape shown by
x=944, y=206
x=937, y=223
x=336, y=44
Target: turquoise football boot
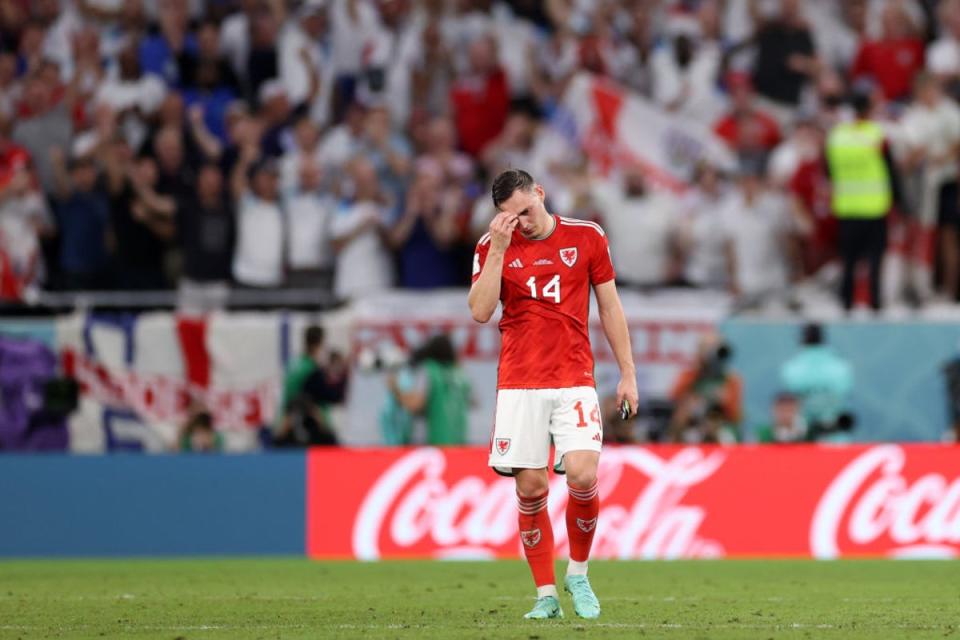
x=546, y=607
x=585, y=603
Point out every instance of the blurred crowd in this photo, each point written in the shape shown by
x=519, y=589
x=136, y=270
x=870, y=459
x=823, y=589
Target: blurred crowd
x=348, y=145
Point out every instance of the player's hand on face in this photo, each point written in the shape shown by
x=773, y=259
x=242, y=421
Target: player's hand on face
x=627, y=390
x=501, y=230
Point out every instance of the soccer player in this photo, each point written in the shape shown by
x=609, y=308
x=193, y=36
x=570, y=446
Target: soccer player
x=541, y=267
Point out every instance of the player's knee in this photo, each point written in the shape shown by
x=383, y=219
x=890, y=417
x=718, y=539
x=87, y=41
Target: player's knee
x=582, y=478
x=531, y=484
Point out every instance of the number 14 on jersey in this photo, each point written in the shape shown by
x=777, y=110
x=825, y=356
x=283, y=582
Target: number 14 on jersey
x=550, y=290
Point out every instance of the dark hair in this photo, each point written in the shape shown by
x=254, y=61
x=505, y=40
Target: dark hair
x=313, y=337
x=509, y=181
x=861, y=102
x=439, y=348
x=812, y=334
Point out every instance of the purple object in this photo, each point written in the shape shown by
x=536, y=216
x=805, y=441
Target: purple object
x=25, y=368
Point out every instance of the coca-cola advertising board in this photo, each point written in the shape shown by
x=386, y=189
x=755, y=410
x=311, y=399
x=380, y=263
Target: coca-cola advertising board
x=656, y=502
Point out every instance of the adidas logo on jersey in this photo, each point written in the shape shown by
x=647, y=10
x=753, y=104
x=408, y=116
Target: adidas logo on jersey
x=542, y=261
x=516, y=264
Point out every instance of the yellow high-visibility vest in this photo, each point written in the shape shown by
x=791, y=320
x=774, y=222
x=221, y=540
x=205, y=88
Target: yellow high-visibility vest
x=861, y=180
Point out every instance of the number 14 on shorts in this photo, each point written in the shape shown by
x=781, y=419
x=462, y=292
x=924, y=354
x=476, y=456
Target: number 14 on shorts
x=594, y=414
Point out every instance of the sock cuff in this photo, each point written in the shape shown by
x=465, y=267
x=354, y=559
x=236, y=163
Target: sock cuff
x=533, y=504
x=584, y=495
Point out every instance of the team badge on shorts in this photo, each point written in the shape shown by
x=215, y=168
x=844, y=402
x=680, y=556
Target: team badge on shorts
x=569, y=256
x=587, y=525
x=530, y=538
x=503, y=445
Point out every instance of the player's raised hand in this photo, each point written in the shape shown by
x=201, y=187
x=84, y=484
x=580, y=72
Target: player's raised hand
x=501, y=230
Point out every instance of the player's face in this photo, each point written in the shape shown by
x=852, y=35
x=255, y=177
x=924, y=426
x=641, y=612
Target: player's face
x=532, y=218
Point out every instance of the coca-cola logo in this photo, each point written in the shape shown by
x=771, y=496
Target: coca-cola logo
x=413, y=508
x=871, y=507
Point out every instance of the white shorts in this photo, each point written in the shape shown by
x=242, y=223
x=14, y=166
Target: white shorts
x=528, y=419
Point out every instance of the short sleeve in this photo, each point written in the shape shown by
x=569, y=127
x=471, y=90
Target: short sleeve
x=601, y=265
x=480, y=256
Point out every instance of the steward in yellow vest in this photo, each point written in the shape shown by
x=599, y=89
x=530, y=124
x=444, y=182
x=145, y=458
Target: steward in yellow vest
x=863, y=181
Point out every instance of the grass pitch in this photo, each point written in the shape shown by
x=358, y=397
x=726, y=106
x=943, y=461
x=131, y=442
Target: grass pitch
x=296, y=598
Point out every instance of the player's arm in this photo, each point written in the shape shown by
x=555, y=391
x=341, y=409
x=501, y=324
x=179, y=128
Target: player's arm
x=615, y=328
x=485, y=292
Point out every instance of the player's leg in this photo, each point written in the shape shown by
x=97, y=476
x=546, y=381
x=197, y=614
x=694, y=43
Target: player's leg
x=520, y=446
x=578, y=435
x=536, y=534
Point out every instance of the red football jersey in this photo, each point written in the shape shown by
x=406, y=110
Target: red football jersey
x=545, y=292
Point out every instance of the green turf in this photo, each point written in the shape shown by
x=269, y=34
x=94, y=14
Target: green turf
x=294, y=598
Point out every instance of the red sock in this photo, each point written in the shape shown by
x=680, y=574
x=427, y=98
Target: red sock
x=582, y=513
x=536, y=533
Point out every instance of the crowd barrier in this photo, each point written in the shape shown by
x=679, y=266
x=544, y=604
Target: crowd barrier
x=656, y=502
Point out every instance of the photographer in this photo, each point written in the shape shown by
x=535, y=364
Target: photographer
x=822, y=381
x=707, y=397
x=313, y=382
x=438, y=390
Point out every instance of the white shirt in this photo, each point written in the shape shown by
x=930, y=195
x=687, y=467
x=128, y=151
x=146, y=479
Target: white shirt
x=258, y=256
x=350, y=38
x=337, y=146
x=756, y=231
x=943, y=56
x=294, y=74
x=19, y=218
x=235, y=42
x=308, y=230
x=364, y=265
x=936, y=131
x=703, y=102
x=145, y=93
x=707, y=263
x=640, y=232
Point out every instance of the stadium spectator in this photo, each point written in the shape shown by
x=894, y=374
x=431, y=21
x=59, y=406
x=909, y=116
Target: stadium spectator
x=701, y=240
x=785, y=58
x=787, y=424
x=209, y=87
x=205, y=235
x=441, y=155
x=358, y=230
x=25, y=220
x=863, y=177
x=480, y=98
x=309, y=208
x=943, y=54
x=313, y=382
x=141, y=219
x=440, y=392
x=747, y=128
x=132, y=94
x=707, y=397
x=930, y=134
x=304, y=63
x=395, y=54
x=43, y=121
x=83, y=215
x=388, y=150
x=822, y=382
x=197, y=435
x=353, y=34
x=684, y=72
x=258, y=259
x=892, y=60
x=760, y=229
x=426, y=231
x=643, y=228
x=261, y=65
